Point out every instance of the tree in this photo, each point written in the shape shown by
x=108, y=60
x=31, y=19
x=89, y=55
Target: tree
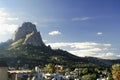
x=110, y=76
x=116, y=71
x=50, y=68
x=90, y=76
x=84, y=71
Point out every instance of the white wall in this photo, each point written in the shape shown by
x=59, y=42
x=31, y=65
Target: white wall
x=3, y=73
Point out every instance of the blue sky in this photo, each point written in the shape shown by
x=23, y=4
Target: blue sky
x=82, y=27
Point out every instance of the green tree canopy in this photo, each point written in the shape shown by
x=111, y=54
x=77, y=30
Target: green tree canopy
x=90, y=76
x=116, y=71
x=50, y=68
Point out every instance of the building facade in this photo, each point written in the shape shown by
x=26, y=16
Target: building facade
x=3, y=71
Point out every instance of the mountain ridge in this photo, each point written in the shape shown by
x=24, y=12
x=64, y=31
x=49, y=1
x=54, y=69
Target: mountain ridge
x=27, y=47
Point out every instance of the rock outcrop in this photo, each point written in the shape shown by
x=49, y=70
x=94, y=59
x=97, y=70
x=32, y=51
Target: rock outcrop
x=29, y=33
x=34, y=38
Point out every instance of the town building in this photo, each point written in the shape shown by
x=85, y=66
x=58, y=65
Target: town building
x=3, y=71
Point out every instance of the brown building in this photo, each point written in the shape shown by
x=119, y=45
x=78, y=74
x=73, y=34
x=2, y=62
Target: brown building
x=3, y=71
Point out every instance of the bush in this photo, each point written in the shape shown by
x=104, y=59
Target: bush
x=90, y=76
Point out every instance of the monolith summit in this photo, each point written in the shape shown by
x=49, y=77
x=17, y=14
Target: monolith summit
x=29, y=34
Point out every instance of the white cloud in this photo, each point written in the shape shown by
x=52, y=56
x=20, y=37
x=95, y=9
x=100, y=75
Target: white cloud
x=52, y=33
x=5, y=16
x=99, y=33
x=109, y=55
x=6, y=30
x=44, y=40
x=35, y=23
x=3, y=19
x=81, y=19
x=86, y=49
x=3, y=13
x=79, y=45
x=4, y=27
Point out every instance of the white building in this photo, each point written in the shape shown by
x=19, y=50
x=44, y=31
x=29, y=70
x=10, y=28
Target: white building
x=3, y=71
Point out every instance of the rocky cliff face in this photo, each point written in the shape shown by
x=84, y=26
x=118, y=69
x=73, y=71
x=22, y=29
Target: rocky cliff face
x=29, y=33
x=34, y=38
